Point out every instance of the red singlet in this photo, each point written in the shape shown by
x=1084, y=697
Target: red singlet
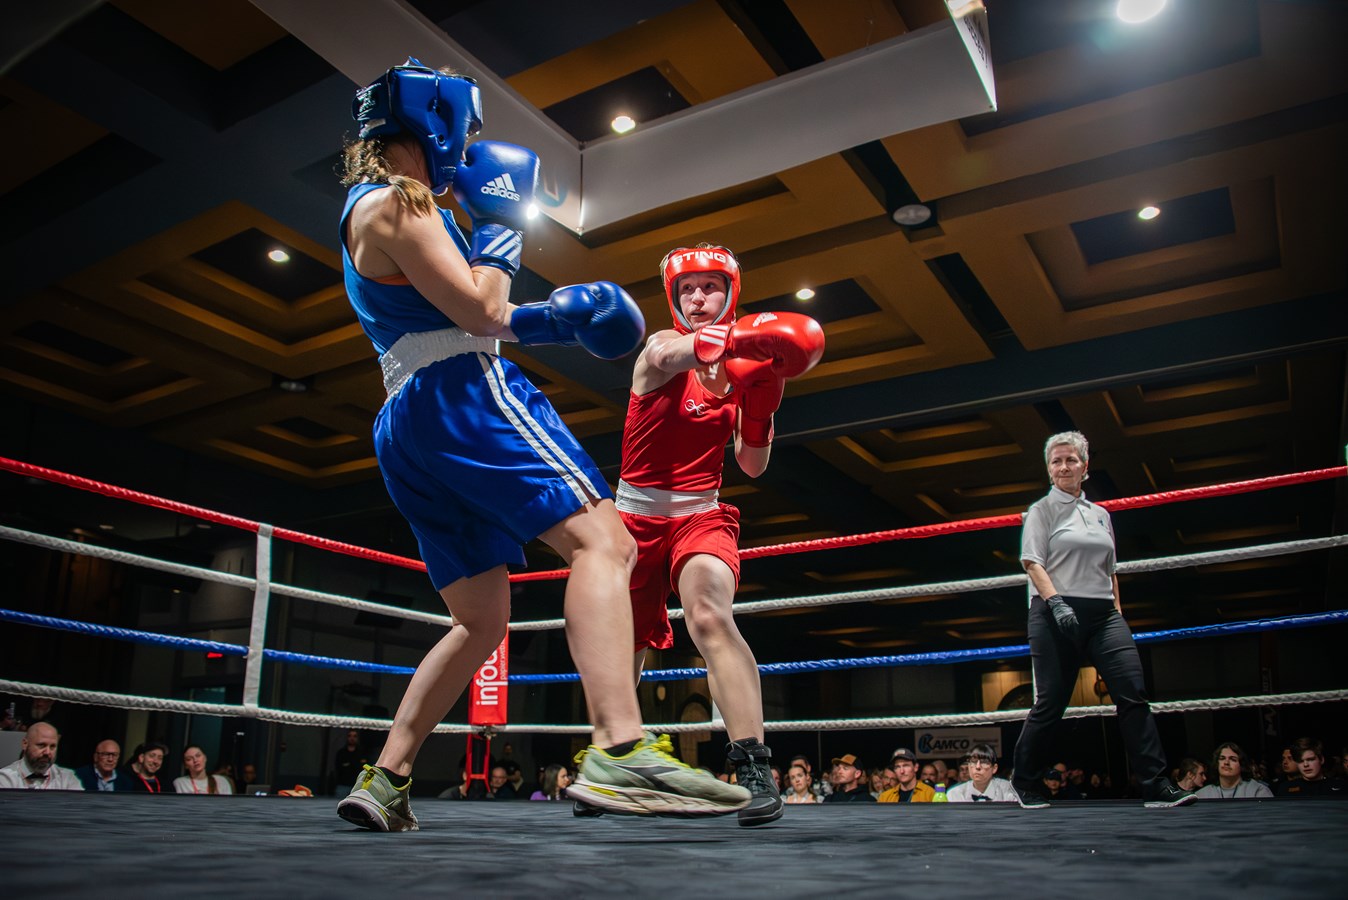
x=675, y=436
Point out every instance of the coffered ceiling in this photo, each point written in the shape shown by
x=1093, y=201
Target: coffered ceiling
x=158, y=151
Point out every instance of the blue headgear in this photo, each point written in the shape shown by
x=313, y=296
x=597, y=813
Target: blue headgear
x=443, y=111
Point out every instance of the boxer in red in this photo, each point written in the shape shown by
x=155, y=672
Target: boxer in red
x=695, y=386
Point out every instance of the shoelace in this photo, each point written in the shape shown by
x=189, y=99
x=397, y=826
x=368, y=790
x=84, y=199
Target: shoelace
x=663, y=746
x=753, y=777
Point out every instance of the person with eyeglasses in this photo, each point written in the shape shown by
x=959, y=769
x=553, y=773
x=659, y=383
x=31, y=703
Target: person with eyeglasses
x=983, y=786
x=102, y=774
x=1233, y=783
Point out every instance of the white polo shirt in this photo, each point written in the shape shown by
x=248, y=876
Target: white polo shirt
x=999, y=791
x=1073, y=539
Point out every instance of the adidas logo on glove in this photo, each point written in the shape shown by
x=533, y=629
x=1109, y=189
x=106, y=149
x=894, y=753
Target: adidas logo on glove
x=501, y=186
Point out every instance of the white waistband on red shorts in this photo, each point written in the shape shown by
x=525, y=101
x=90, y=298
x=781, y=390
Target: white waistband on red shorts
x=649, y=501
x=417, y=350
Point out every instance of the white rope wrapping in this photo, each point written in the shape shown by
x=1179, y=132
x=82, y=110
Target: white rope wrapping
x=287, y=717
x=257, y=633
x=867, y=596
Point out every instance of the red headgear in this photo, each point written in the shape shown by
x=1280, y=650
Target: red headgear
x=700, y=259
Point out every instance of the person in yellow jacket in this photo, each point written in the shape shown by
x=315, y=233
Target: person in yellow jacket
x=909, y=789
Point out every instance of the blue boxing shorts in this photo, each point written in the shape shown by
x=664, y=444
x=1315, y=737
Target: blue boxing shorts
x=479, y=463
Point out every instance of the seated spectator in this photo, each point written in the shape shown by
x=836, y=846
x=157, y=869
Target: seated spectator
x=143, y=772
x=820, y=787
x=776, y=777
x=468, y=789
x=982, y=786
x=556, y=779
x=102, y=774
x=1051, y=783
x=36, y=768
x=1310, y=759
x=348, y=762
x=1066, y=791
x=1233, y=782
x=848, y=782
x=1192, y=774
x=927, y=774
x=498, y=784
x=875, y=780
x=908, y=789
x=247, y=778
x=198, y=780
x=1287, y=766
x=798, y=787
x=942, y=771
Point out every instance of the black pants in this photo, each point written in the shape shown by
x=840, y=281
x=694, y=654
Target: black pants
x=1107, y=643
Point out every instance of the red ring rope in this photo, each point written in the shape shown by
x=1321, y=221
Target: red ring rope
x=874, y=537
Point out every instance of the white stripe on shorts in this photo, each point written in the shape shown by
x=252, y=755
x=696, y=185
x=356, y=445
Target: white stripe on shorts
x=536, y=435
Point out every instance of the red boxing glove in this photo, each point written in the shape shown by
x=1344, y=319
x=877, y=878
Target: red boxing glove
x=793, y=343
x=760, y=394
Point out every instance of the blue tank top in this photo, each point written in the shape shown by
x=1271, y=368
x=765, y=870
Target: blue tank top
x=389, y=311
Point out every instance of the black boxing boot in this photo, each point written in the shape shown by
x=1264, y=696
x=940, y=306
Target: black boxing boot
x=752, y=761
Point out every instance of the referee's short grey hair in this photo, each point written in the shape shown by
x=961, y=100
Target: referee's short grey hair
x=1075, y=438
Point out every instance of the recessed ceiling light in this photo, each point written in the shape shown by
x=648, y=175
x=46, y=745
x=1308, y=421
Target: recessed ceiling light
x=292, y=385
x=1148, y=212
x=623, y=124
x=278, y=256
x=804, y=294
x=1135, y=11
x=106, y=527
x=911, y=215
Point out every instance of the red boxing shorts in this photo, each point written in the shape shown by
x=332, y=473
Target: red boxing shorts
x=664, y=544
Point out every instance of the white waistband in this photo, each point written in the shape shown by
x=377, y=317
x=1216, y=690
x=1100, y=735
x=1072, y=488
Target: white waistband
x=649, y=501
x=417, y=350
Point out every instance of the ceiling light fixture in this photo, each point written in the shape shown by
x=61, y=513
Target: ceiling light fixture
x=623, y=124
x=278, y=256
x=292, y=385
x=804, y=294
x=1135, y=11
x=911, y=215
x=531, y=211
x=1147, y=213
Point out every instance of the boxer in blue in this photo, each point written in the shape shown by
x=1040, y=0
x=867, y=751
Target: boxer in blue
x=472, y=454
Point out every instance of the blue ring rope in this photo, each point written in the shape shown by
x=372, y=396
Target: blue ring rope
x=819, y=665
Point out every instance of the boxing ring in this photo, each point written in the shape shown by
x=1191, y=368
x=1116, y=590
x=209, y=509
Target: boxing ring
x=267, y=845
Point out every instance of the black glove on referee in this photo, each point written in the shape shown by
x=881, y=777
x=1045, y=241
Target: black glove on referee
x=1064, y=616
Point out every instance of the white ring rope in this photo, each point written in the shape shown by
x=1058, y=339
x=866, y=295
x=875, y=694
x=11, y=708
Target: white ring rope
x=286, y=717
x=916, y=590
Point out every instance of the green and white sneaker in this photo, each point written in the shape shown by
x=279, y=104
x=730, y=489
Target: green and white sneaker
x=651, y=781
x=374, y=803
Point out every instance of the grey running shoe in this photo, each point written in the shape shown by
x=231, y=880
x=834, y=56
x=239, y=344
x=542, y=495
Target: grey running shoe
x=651, y=781
x=374, y=803
x=752, y=762
x=1168, y=795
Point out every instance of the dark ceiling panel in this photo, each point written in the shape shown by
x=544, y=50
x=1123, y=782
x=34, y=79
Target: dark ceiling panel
x=1182, y=220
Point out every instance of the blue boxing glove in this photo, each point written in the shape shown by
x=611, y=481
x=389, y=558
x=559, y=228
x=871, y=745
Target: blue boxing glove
x=495, y=185
x=600, y=316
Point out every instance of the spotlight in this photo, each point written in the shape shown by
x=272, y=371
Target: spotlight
x=1135, y=11
x=623, y=124
x=912, y=215
x=1147, y=213
x=278, y=256
x=804, y=294
x=531, y=212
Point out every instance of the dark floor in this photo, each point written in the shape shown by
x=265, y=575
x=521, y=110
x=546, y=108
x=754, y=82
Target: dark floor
x=135, y=845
